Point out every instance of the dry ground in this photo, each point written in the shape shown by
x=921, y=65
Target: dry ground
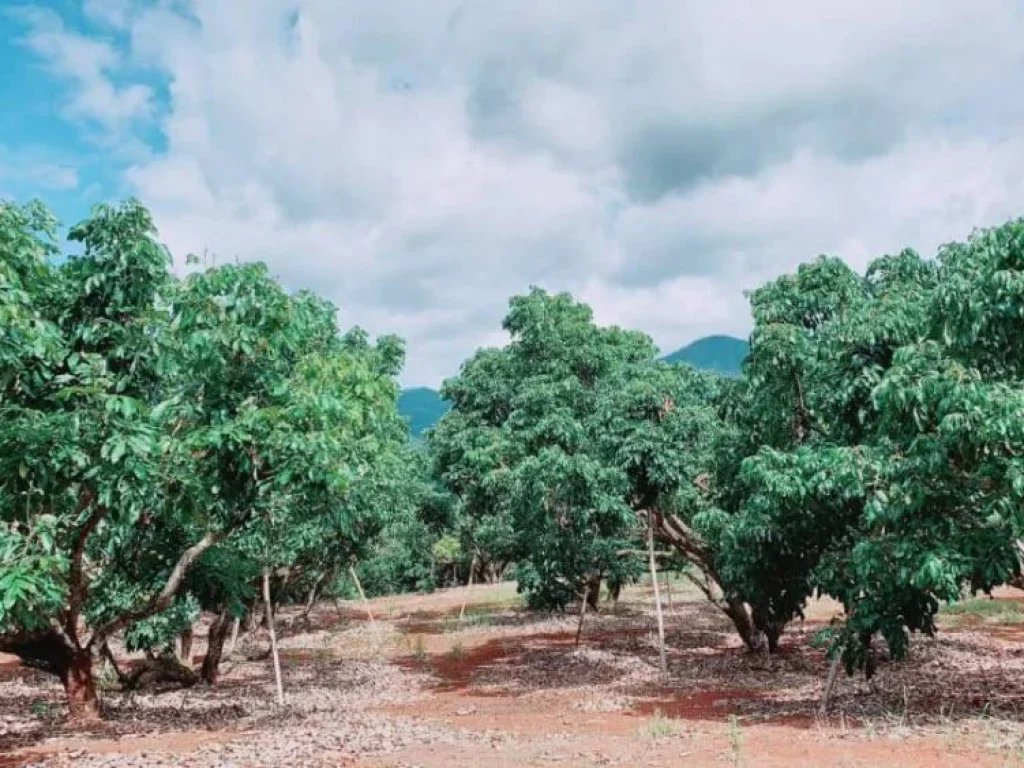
x=504, y=687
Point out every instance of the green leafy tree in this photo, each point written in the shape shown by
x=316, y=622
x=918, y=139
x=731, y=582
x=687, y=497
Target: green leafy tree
x=81, y=433
x=661, y=427
x=146, y=421
x=879, y=450
x=517, y=447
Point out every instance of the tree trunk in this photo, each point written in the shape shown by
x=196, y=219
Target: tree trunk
x=273, y=636
x=281, y=590
x=826, y=695
x=215, y=648
x=80, y=687
x=593, y=592
x=311, y=600
x=615, y=590
x=54, y=653
x=740, y=616
x=185, y=647
x=106, y=653
x=252, y=618
x=583, y=614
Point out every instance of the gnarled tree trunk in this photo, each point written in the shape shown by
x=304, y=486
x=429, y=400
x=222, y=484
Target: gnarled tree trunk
x=739, y=615
x=593, y=593
x=219, y=630
x=54, y=652
x=677, y=533
x=185, y=647
x=614, y=590
x=80, y=687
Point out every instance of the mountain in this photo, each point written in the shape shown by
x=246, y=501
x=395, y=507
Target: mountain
x=724, y=354
x=422, y=407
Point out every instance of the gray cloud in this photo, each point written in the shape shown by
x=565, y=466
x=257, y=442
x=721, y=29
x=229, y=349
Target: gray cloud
x=419, y=162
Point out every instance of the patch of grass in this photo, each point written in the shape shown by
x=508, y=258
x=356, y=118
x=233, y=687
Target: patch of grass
x=659, y=727
x=419, y=650
x=42, y=709
x=454, y=624
x=986, y=610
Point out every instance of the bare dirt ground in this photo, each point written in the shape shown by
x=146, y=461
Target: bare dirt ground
x=504, y=687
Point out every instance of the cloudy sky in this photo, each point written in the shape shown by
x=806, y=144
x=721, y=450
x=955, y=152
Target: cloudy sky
x=419, y=161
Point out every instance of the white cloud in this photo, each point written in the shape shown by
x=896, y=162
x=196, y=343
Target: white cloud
x=112, y=13
x=30, y=167
x=88, y=63
x=420, y=162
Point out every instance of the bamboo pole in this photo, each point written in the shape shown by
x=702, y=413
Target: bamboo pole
x=366, y=603
x=657, y=600
x=273, y=636
x=465, y=597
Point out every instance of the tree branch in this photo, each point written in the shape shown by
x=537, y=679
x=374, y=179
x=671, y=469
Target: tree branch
x=706, y=589
x=162, y=600
x=77, y=589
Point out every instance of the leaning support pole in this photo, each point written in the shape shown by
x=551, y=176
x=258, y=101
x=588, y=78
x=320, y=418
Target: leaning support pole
x=657, y=599
x=465, y=597
x=366, y=603
x=273, y=636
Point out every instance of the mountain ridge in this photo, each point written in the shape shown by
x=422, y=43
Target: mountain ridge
x=422, y=407
x=720, y=353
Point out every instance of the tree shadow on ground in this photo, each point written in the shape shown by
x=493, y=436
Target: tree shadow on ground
x=960, y=675
x=957, y=676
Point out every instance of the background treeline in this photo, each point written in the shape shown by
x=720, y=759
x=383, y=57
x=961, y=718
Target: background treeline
x=172, y=445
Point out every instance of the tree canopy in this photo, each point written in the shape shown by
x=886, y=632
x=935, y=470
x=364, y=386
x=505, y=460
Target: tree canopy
x=171, y=445
x=147, y=420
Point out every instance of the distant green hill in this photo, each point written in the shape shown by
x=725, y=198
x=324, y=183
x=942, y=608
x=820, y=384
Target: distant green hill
x=724, y=354
x=422, y=407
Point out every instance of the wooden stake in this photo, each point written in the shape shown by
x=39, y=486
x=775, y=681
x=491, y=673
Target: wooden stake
x=273, y=636
x=366, y=603
x=657, y=600
x=472, y=571
x=234, y=638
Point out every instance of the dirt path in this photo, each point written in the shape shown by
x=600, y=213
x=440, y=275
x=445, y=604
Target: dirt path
x=507, y=688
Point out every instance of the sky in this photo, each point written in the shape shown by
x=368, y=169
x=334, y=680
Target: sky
x=420, y=161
